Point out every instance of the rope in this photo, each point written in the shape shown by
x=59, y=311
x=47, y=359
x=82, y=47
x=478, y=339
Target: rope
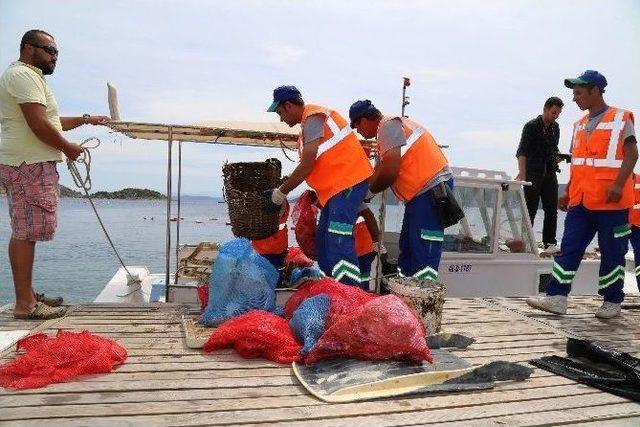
x=83, y=181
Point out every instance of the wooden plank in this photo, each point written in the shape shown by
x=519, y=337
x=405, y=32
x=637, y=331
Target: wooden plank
x=433, y=408
x=543, y=379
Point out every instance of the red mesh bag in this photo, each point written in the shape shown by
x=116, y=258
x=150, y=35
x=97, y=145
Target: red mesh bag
x=304, y=217
x=384, y=328
x=296, y=258
x=53, y=360
x=344, y=298
x=257, y=333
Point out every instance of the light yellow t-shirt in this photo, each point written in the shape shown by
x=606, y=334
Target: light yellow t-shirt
x=22, y=83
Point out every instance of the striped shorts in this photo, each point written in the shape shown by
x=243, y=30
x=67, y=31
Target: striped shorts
x=32, y=195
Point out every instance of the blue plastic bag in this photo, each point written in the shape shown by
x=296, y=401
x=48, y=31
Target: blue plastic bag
x=308, y=321
x=241, y=281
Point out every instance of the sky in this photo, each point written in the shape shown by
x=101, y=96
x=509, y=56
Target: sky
x=479, y=69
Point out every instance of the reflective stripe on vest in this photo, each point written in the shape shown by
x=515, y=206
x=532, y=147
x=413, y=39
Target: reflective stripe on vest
x=416, y=132
x=338, y=135
x=616, y=127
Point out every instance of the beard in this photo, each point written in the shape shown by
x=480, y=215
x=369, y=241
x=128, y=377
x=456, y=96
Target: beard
x=47, y=67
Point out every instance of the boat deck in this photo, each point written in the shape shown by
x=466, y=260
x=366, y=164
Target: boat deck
x=163, y=382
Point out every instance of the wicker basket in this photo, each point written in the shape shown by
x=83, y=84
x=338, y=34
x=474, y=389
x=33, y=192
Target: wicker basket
x=424, y=296
x=243, y=186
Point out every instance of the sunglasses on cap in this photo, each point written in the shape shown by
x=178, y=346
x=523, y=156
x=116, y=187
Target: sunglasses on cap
x=49, y=49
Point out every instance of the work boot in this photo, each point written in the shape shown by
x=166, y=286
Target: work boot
x=556, y=304
x=608, y=310
x=50, y=301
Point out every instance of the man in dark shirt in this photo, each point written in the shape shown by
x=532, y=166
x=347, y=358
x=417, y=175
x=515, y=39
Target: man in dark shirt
x=538, y=163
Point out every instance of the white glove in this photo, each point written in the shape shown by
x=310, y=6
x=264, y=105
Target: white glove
x=278, y=197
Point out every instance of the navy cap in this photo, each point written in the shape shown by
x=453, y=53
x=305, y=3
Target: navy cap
x=589, y=77
x=358, y=110
x=281, y=94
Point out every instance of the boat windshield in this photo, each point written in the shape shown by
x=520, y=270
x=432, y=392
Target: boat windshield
x=474, y=234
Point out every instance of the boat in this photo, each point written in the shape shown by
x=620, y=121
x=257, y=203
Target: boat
x=492, y=252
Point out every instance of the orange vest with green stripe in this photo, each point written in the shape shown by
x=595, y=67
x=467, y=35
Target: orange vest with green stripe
x=634, y=212
x=341, y=161
x=363, y=240
x=421, y=159
x=596, y=160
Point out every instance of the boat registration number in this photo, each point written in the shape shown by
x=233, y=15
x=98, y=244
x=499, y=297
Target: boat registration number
x=460, y=268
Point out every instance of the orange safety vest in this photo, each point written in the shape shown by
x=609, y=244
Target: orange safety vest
x=596, y=160
x=278, y=242
x=341, y=161
x=421, y=159
x=634, y=212
x=364, y=242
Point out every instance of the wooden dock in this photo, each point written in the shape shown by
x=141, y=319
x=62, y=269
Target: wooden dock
x=165, y=383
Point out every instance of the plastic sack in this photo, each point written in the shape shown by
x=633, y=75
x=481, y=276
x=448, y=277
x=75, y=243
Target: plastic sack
x=344, y=298
x=257, y=334
x=308, y=321
x=305, y=219
x=384, y=328
x=296, y=258
x=57, y=359
x=301, y=274
x=241, y=281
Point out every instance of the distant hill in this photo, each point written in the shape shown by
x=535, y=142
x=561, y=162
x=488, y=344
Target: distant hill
x=126, y=193
x=129, y=193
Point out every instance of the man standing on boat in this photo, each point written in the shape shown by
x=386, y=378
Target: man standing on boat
x=31, y=144
x=598, y=198
x=334, y=164
x=537, y=157
x=413, y=165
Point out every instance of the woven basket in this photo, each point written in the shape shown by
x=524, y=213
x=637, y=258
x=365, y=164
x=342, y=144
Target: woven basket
x=243, y=187
x=424, y=296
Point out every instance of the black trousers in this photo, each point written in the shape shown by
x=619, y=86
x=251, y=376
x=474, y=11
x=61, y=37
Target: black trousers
x=544, y=187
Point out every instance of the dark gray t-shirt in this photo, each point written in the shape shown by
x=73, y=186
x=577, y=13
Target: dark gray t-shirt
x=391, y=135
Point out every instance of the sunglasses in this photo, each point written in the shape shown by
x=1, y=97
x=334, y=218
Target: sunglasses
x=49, y=49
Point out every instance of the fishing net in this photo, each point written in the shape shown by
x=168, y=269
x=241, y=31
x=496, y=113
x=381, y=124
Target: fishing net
x=68, y=355
x=257, y=334
x=296, y=258
x=344, y=298
x=304, y=217
x=383, y=328
x=241, y=281
x=308, y=321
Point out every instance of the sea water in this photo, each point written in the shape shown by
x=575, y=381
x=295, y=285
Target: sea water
x=79, y=262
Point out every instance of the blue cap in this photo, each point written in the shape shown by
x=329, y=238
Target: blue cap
x=281, y=94
x=589, y=77
x=358, y=109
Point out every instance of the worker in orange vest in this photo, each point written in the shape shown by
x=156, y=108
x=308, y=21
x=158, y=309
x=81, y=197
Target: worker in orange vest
x=598, y=198
x=333, y=163
x=412, y=164
x=634, y=221
x=274, y=248
x=366, y=233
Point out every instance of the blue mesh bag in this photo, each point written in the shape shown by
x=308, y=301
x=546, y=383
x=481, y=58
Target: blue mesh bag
x=241, y=281
x=308, y=321
x=300, y=274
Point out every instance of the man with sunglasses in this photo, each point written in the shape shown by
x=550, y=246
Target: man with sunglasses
x=31, y=143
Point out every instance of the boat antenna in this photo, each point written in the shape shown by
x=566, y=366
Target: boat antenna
x=406, y=82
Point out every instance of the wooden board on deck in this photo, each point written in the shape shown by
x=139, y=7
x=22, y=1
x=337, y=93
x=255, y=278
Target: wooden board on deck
x=195, y=334
x=165, y=382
